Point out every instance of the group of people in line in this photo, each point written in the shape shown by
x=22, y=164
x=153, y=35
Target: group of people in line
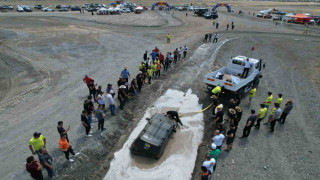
x=234, y=115
x=148, y=69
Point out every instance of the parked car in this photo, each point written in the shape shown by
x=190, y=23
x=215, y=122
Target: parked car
x=47, y=9
x=63, y=10
x=85, y=5
x=125, y=10
x=65, y=6
x=207, y=15
x=75, y=8
x=27, y=9
x=38, y=7
x=19, y=9
x=8, y=7
x=91, y=9
x=281, y=13
x=154, y=137
x=277, y=18
x=58, y=6
x=266, y=16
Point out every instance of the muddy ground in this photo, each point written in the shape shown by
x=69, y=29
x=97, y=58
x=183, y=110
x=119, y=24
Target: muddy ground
x=44, y=58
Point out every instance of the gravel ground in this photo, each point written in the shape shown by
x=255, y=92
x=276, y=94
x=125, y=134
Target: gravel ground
x=53, y=53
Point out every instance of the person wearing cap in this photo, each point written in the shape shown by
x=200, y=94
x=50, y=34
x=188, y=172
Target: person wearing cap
x=209, y=163
x=249, y=124
x=219, y=115
x=288, y=107
x=247, y=65
x=214, y=153
x=238, y=117
x=125, y=74
x=218, y=139
x=37, y=142
x=46, y=161
x=261, y=114
x=34, y=168
x=216, y=91
x=122, y=96
x=232, y=114
x=139, y=81
x=66, y=148
x=279, y=100
x=252, y=93
x=275, y=117
x=150, y=73
x=214, y=103
x=61, y=130
x=268, y=100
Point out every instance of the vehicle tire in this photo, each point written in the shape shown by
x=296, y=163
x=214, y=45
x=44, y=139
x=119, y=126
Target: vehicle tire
x=256, y=81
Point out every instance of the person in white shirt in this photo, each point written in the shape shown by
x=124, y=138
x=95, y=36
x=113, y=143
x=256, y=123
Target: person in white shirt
x=276, y=116
x=218, y=139
x=209, y=163
x=179, y=53
x=185, y=49
x=101, y=101
x=110, y=103
x=247, y=65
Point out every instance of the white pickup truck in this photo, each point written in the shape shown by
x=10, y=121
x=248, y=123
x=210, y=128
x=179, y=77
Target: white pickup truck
x=229, y=77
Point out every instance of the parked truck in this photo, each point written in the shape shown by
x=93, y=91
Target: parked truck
x=230, y=80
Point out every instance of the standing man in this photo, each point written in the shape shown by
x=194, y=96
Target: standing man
x=145, y=56
x=210, y=36
x=61, y=130
x=227, y=26
x=231, y=134
x=219, y=115
x=268, y=100
x=179, y=53
x=215, y=153
x=232, y=26
x=66, y=148
x=37, y=142
x=122, y=96
x=110, y=103
x=125, y=74
x=279, y=100
x=209, y=163
x=217, y=25
x=85, y=122
x=288, y=107
x=93, y=90
x=271, y=113
x=249, y=124
x=153, y=55
x=218, y=139
x=87, y=80
x=262, y=113
x=205, y=38
x=100, y=115
x=168, y=38
x=215, y=39
x=88, y=106
x=140, y=80
x=213, y=22
x=46, y=161
x=175, y=55
x=276, y=117
x=185, y=50
x=161, y=59
x=34, y=168
x=252, y=93
x=247, y=65
x=158, y=69
x=174, y=115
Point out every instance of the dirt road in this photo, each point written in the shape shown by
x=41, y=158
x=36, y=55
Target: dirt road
x=69, y=46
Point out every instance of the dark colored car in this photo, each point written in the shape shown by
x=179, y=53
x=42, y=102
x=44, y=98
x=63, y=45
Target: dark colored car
x=207, y=15
x=266, y=16
x=6, y=7
x=58, y=6
x=154, y=137
x=63, y=10
x=27, y=9
x=38, y=6
x=281, y=13
x=75, y=8
x=214, y=15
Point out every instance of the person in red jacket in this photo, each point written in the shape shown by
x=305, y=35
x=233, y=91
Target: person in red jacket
x=34, y=168
x=87, y=80
x=161, y=59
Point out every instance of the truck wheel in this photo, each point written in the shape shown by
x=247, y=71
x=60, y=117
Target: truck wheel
x=256, y=81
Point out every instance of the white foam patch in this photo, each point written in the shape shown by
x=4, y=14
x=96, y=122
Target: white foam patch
x=178, y=160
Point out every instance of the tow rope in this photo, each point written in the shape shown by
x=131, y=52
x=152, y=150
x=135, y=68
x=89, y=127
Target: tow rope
x=191, y=113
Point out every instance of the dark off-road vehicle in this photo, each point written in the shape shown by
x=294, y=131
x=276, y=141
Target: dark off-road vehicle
x=154, y=137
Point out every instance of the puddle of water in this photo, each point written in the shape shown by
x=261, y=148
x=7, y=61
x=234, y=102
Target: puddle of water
x=177, y=162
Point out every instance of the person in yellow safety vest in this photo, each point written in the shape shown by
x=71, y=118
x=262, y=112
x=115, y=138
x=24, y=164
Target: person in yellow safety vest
x=168, y=38
x=141, y=66
x=154, y=69
x=149, y=71
x=252, y=93
x=157, y=60
x=262, y=113
x=213, y=22
x=268, y=100
x=271, y=113
x=216, y=91
x=279, y=100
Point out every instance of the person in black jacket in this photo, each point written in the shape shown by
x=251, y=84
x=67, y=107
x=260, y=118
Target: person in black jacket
x=174, y=115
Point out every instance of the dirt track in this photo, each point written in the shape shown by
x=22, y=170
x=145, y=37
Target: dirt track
x=69, y=46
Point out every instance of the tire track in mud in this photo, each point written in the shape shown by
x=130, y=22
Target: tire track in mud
x=38, y=86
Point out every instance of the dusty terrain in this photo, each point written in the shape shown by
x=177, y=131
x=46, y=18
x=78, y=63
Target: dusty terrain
x=43, y=58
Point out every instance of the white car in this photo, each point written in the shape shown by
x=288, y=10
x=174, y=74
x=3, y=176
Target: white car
x=125, y=10
x=46, y=9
